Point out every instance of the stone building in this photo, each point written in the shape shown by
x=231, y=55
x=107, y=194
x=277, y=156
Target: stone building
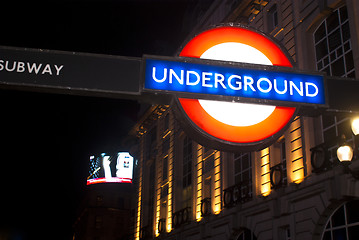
x=294, y=189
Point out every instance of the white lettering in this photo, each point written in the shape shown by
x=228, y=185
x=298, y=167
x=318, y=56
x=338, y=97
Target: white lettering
x=205, y=79
x=164, y=75
x=219, y=78
x=58, y=69
x=173, y=73
x=299, y=90
x=239, y=84
x=188, y=78
x=47, y=69
x=20, y=67
x=307, y=84
x=264, y=80
x=248, y=82
x=276, y=87
x=33, y=67
x=13, y=66
x=1, y=65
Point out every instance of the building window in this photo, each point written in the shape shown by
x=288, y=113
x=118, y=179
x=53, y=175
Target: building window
x=165, y=168
x=166, y=145
x=272, y=18
x=343, y=223
x=166, y=122
x=334, y=56
x=151, y=143
x=333, y=127
x=285, y=233
x=246, y=234
x=243, y=172
x=333, y=49
x=164, y=191
x=208, y=164
x=187, y=162
x=283, y=161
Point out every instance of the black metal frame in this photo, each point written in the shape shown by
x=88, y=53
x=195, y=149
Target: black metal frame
x=206, y=207
x=181, y=217
x=276, y=168
x=235, y=194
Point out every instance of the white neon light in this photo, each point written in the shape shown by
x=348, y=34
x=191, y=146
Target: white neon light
x=236, y=52
x=124, y=166
x=236, y=114
x=106, y=166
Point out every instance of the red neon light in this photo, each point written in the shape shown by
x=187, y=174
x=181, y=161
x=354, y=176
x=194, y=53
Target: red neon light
x=109, y=180
x=268, y=127
x=202, y=42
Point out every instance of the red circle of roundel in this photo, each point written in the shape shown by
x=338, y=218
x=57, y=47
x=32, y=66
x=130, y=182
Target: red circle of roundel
x=238, y=134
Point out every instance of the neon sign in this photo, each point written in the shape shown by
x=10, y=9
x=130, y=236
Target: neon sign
x=237, y=126
x=177, y=75
x=104, y=170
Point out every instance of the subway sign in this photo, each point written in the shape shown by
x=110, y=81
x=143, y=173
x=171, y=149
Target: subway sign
x=235, y=88
x=247, y=82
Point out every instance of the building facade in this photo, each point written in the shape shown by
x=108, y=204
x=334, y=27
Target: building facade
x=105, y=212
x=294, y=189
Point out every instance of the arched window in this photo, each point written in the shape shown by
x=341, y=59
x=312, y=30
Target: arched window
x=333, y=48
x=334, y=56
x=343, y=223
x=246, y=234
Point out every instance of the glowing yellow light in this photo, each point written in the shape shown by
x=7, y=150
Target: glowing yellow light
x=265, y=188
x=217, y=183
x=298, y=176
x=199, y=183
x=169, y=228
x=217, y=209
x=355, y=126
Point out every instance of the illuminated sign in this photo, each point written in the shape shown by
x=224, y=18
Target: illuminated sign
x=235, y=126
x=178, y=75
x=103, y=169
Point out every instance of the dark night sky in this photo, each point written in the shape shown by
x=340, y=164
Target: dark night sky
x=47, y=139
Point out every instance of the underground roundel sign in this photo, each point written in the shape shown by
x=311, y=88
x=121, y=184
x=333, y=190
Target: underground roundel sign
x=234, y=126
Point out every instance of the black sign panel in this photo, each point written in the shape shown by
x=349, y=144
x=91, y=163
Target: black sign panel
x=66, y=71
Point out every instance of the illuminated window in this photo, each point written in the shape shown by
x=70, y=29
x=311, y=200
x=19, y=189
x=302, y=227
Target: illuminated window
x=343, y=223
x=243, y=173
x=333, y=49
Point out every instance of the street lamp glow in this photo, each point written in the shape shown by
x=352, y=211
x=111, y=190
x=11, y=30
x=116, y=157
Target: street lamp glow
x=355, y=126
x=345, y=153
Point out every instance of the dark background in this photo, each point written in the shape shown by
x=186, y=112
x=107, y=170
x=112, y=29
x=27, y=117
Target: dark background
x=46, y=138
